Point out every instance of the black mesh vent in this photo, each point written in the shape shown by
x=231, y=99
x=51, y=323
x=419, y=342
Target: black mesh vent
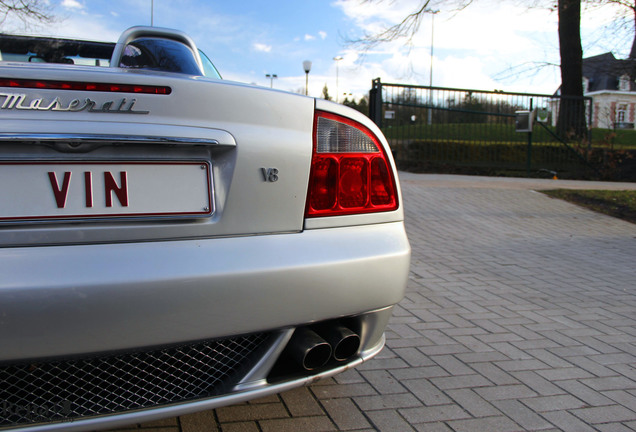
x=58, y=390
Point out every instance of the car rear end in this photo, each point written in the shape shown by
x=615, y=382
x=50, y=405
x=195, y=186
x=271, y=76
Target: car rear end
x=171, y=243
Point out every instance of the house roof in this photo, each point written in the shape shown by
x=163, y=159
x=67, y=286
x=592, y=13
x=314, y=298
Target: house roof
x=603, y=72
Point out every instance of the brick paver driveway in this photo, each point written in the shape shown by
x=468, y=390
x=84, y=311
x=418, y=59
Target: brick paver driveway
x=520, y=315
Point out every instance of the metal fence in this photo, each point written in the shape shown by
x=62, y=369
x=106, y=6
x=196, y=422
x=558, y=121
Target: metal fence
x=435, y=129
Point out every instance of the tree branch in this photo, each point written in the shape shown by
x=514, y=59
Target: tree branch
x=26, y=11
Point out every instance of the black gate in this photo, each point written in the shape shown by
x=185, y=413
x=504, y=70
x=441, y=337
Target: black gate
x=435, y=129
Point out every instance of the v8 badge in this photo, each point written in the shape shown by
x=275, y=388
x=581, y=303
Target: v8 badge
x=270, y=174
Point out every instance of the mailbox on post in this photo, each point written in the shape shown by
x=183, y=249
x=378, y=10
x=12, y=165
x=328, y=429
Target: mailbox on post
x=523, y=121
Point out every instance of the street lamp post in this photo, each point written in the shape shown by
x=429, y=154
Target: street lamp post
x=307, y=68
x=430, y=75
x=337, y=60
x=271, y=77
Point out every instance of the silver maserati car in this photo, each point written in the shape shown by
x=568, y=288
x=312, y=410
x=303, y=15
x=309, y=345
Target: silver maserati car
x=172, y=242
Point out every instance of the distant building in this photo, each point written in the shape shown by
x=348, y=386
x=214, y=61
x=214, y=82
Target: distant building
x=611, y=85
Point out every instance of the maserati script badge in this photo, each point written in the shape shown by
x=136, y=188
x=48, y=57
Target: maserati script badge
x=19, y=101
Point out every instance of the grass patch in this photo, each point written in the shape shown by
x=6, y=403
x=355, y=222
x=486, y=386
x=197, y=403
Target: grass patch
x=620, y=204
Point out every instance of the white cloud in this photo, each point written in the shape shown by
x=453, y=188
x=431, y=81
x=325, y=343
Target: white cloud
x=262, y=47
x=309, y=37
x=322, y=34
x=72, y=4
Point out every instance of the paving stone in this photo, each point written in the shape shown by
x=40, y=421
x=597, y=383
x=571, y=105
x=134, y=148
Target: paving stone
x=434, y=414
x=609, y=383
x=548, y=358
x=558, y=374
x=432, y=427
x=389, y=420
x=457, y=349
x=345, y=414
x=494, y=374
x=473, y=403
x=383, y=382
x=383, y=402
x=351, y=376
x=572, y=350
x=522, y=365
x=522, y=415
x=517, y=391
x=464, y=381
x=553, y=403
x=588, y=363
x=622, y=397
x=383, y=363
x=342, y=391
x=174, y=428
x=567, y=422
x=420, y=372
x=414, y=357
x=598, y=344
x=236, y=427
x=426, y=392
x=499, y=337
x=251, y=412
x=614, y=427
x=298, y=424
x=482, y=357
x=625, y=370
x=499, y=424
x=605, y=414
x=300, y=402
x=167, y=422
x=452, y=365
x=204, y=420
x=583, y=392
x=537, y=383
x=474, y=344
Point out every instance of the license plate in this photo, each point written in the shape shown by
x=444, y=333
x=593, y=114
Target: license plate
x=85, y=190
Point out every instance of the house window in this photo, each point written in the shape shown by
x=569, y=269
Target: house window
x=621, y=113
x=623, y=83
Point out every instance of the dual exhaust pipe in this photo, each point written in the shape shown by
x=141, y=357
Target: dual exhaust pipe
x=314, y=348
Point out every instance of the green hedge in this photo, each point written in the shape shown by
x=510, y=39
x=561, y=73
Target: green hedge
x=510, y=158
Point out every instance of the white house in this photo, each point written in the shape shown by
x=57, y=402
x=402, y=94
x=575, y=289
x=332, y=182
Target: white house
x=610, y=83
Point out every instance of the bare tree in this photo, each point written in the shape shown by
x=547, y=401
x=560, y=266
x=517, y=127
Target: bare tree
x=571, y=121
x=569, y=42
x=409, y=26
x=405, y=29
x=625, y=20
x=26, y=11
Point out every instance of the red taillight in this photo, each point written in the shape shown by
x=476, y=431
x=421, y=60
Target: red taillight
x=84, y=86
x=350, y=172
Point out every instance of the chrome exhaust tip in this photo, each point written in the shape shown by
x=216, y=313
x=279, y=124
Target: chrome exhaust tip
x=344, y=342
x=308, y=349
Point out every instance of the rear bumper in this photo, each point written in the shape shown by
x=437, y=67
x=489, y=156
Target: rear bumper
x=73, y=300
x=256, y=389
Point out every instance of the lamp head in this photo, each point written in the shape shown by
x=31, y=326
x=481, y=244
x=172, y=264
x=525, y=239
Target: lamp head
x=307, y=66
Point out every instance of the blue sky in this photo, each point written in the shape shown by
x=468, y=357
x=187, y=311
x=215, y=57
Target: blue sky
x=247, y=39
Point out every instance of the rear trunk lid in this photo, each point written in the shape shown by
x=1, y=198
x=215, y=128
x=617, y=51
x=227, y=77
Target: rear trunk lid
x=109, y=155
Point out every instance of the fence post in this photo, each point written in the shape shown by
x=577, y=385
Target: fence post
x=589, y=127
x=375, y=102
x=529, y=156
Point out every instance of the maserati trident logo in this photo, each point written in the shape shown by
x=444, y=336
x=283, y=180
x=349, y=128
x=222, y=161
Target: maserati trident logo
x=20, y=101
